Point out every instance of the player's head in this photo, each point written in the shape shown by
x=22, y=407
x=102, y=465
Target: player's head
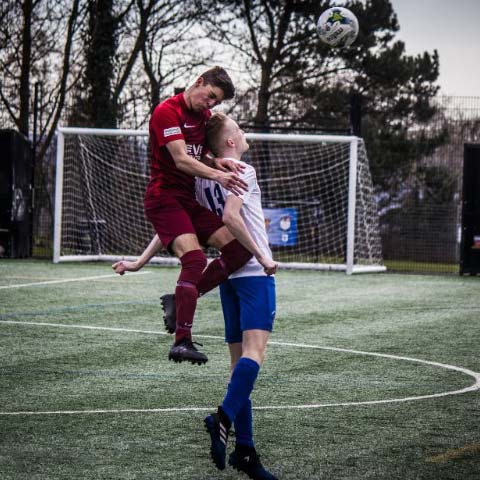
x=210, y=89
x=224, y=137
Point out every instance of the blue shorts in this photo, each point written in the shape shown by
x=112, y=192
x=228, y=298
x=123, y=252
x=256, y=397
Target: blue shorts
x=248, y=303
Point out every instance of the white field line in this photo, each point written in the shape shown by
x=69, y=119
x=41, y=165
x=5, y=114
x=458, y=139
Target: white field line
x=88, y=327
x=475, y=386
x=67, y=280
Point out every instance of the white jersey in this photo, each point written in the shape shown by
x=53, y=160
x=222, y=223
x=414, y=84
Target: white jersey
x=212, y=196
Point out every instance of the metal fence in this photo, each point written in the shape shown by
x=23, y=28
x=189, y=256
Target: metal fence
x=422, y=231
x=420, y=225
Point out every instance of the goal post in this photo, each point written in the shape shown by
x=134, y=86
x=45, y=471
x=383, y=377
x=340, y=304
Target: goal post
x=317, y=195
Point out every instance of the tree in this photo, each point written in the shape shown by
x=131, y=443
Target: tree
x=168, y=56
x=275, y=43
x=170, y=51
x=39, y=52
x=17, y=63
x=26, y=55
x=116, y=87
x=96, y=96
x=301, y=82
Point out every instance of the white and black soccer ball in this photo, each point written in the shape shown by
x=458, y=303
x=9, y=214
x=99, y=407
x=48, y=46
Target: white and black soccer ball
x=337, y=27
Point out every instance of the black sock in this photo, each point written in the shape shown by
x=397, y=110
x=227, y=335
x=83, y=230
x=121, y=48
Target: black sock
x=244, y=450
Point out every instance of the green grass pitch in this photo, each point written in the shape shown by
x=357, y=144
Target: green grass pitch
x=359, y=380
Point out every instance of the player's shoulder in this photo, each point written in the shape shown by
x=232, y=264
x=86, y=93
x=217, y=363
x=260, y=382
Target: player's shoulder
x=240, y=162
x=249, y=170
x=170, y=106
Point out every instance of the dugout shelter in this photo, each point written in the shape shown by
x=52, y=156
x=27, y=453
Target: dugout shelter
x=470, y=243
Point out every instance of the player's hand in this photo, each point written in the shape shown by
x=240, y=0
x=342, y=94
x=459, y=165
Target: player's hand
x=226, y=165
x=125, y=266
x=269, y=265
x=231, y=181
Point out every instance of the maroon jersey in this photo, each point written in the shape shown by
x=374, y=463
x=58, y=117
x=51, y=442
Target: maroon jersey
x=172, y=120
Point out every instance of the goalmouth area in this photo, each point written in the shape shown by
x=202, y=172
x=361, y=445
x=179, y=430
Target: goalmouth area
x=317, y=195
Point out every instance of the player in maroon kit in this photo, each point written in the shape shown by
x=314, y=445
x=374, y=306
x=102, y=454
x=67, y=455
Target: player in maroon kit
x=177, y=139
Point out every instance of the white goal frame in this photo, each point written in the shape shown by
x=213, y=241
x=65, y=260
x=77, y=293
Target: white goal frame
x=349, y=267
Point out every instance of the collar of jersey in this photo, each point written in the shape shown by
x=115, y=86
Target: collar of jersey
x=234, y=159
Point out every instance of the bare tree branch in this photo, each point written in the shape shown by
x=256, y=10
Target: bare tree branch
x=65, y=72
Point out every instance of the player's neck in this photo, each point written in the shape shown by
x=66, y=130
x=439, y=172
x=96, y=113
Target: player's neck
x=231, y=155
x=186, y=97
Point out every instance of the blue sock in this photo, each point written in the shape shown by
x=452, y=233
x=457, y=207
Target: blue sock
x=244, y=425
x=240, y=386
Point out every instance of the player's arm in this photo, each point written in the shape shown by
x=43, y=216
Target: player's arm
x=233, y=219
x=229, y=180
x=128, y=266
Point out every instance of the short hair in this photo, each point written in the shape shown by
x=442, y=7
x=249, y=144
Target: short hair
x=218, y=77
x=213, y=130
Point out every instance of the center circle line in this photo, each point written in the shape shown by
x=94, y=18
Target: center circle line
x=474, y=387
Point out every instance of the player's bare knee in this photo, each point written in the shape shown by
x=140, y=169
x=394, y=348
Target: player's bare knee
x=184, y=244
x=220, y=238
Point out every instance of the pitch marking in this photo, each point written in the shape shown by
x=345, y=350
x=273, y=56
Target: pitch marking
x=66, y=280
x=475, y=386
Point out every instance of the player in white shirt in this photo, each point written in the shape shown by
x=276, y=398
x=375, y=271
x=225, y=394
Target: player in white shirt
x=248, y=299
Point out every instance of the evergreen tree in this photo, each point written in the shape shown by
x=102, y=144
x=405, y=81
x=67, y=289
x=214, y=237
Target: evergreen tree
x=94, y=105
x=101, y=48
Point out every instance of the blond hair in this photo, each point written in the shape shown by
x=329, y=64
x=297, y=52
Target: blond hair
x=213, y=133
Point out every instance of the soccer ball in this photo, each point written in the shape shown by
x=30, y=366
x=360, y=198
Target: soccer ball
x=337, y=27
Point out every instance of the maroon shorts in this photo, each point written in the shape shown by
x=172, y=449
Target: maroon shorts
x=173, y=215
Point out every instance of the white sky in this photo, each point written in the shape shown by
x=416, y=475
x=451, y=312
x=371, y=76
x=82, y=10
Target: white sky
x=453, y=28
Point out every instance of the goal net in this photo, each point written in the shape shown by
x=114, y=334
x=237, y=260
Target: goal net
x=317, y=196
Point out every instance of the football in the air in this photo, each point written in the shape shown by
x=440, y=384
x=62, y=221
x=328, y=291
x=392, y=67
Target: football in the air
x=337, y=27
